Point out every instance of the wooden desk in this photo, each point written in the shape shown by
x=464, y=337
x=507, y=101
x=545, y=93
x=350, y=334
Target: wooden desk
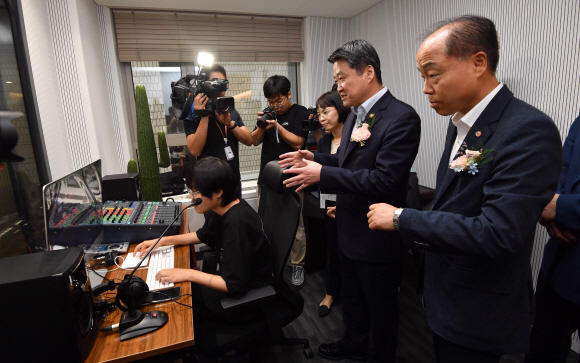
x=176, y=334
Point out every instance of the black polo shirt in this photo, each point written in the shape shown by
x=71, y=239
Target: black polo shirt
x=214, y=144
x=245, y=255
x=291, y=121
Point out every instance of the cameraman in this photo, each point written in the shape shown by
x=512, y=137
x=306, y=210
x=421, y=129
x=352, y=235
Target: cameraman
x=283, y=134
x=206, y=136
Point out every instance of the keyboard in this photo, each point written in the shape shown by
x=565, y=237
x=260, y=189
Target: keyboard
x=160, y=259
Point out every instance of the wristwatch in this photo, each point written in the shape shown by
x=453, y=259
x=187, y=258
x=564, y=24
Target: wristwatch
x=233, y=127
x=396, y=215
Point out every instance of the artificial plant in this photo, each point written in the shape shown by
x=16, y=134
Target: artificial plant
x=148, y=164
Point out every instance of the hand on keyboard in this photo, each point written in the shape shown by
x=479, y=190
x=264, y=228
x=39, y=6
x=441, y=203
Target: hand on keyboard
x=173, y=275
x=143, y=247
x=161, y=259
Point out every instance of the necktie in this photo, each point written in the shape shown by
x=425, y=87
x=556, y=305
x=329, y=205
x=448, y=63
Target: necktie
x=359, y=116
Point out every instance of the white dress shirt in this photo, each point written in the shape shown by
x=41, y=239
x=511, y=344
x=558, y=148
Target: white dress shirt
x=362, y=110
x=465, y=122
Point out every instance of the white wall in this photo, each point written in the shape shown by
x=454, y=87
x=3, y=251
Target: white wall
x=321, y=36
x=72, y=82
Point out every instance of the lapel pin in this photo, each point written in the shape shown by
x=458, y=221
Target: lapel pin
x=478, y=133
x=371, y=115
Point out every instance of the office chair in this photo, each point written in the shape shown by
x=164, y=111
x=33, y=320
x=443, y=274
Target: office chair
x=281, y=304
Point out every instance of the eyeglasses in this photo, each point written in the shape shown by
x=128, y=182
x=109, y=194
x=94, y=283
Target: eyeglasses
x=277, y=104
x=192, y=192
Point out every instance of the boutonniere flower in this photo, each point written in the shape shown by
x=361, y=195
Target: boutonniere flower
x=470, y=160
x=363, y=132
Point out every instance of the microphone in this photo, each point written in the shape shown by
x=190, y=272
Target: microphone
x=132, y=317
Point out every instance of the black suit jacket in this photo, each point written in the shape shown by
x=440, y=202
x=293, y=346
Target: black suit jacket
x=479, y=237
x=325, y=144
x=377, y=172
x=565, y=258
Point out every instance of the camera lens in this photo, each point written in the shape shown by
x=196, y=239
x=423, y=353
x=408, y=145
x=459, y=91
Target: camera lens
x=269, y=114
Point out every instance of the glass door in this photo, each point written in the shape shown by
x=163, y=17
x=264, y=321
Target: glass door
x=21, y=214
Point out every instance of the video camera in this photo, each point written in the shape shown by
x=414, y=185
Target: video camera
x=311, y=124
x=186, y=88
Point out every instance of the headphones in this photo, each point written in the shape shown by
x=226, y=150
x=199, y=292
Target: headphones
x=136, y=287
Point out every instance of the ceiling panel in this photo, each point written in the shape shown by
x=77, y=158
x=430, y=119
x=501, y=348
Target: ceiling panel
x=293, y=8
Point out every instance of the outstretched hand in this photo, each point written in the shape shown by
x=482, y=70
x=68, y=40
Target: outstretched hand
x=295, y=159
x=307, y=175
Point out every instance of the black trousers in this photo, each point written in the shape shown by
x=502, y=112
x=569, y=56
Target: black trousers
x=556, y=320
x=448, y=352
x=369, y=302
x=332, y=261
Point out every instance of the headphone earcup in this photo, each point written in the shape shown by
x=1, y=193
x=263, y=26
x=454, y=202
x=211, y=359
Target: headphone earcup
x=139, y=290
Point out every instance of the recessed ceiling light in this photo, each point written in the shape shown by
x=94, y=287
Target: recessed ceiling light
x=8, y=82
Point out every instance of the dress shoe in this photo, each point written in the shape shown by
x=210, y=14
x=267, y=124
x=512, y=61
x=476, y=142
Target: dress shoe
x=324, y=310
x=334, y=351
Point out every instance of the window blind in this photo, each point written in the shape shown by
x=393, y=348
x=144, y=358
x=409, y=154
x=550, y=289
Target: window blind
x=178, y=37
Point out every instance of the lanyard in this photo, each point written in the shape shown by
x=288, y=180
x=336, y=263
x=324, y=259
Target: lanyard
x=219, y=128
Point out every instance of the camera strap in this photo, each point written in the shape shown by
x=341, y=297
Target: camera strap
x=227, y=148
x=277, y=132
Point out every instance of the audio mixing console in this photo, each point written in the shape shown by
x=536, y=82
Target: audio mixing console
x=139, y=221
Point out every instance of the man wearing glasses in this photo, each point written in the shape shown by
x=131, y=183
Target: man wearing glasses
x=281, y=135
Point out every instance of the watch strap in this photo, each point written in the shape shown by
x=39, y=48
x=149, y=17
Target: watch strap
x=396, y=215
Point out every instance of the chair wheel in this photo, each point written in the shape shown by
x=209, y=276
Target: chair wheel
x=308, y=353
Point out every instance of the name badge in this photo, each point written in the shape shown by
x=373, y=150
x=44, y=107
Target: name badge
x=229, y=153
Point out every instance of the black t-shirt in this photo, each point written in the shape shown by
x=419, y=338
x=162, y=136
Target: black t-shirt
x=214, y=144
x=246, y=259
x=291, y=121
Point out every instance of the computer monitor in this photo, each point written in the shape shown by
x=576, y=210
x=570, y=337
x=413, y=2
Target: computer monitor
x=73, y=210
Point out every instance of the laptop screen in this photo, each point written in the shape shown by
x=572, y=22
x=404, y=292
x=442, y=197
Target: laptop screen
x=73, y=210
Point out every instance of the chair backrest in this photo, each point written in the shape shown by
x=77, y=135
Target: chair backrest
x=280, y=212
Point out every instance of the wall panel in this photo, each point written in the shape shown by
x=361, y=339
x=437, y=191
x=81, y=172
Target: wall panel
x=322, y=37
x=76, y=81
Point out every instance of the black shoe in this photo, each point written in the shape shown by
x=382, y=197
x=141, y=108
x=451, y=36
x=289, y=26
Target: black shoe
x=334, y=351
x=324, y=310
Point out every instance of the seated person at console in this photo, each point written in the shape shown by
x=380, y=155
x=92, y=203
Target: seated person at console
x=231, y=226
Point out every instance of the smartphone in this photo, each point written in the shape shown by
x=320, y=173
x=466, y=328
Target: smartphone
x=154, y=297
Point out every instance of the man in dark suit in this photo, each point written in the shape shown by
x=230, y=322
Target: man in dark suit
x=371, y=170
x=479, y=237
x=558, y=288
